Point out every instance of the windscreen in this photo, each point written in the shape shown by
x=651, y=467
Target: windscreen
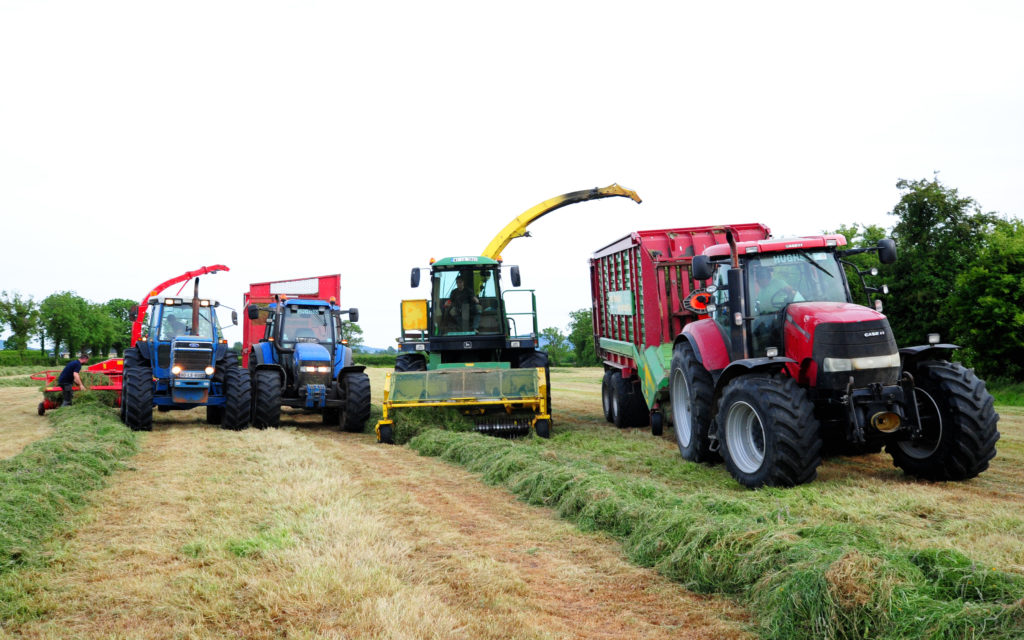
x=466, y=301
x=306, y=324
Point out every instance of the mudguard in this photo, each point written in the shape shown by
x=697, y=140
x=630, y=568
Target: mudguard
x=748, y=366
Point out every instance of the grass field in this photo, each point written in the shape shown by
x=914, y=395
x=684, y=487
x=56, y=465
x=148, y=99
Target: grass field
x=307, y=532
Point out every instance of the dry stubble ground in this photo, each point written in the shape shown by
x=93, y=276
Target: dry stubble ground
x=306, y=532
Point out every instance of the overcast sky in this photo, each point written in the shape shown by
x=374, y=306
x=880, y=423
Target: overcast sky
x=141, y=140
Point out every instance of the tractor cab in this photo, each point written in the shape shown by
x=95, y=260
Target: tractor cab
x=466, y=300
x=307, y=339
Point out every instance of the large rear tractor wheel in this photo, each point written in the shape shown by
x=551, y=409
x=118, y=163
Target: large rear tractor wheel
x=690, y=391
x=410, y=362
x=768, y=431
x=958, y=422
x=266, y=399
x=214, y=414
x=237, y=398
x=137, y=399
x=356, y=387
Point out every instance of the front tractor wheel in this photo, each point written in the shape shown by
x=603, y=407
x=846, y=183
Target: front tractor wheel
x=768, y=431
x=356, y=387
x=266, y=399
x=138, y=399
x=237, y=398
x=958, y=424
x=410, y=362
x=690, y=391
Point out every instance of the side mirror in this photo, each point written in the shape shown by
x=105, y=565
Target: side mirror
x=414, y=278
x=701, y=267
x=514, y=272
x=253, y=311
x=886, y=251
x=133, y=314
x=234, y=317
x=353, y=314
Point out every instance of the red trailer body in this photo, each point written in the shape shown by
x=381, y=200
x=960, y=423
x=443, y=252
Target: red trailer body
x=643, y=294
x=263, y=293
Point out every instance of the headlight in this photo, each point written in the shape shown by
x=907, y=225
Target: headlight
x=209, y=371
x=175, y=369
x=315, y=369
x=835, y=365
x=323, y=369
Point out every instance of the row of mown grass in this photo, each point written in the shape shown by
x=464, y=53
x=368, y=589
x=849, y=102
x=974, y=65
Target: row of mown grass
x=50, y=478
x=836, y=578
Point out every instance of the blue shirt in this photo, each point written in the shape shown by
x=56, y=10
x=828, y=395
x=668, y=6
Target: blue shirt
x=67, y=376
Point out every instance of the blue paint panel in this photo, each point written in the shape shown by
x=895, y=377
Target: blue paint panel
x=311, y=352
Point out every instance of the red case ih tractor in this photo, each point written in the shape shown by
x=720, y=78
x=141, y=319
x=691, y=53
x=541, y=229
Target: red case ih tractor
x=783, y=367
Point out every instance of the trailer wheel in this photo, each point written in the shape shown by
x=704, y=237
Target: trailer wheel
x=356, y=387
x=266, y=399
x=138, y=399
x=690, y=392
x=657, y=423
x=410, y=362
x=606, y=394
x=628, y=406
x=768, y=430
x=958, y=421
x=237, y=398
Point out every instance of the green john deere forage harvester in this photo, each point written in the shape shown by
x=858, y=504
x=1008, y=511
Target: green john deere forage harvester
x=466, y=349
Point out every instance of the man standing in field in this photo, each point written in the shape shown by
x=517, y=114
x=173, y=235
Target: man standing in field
x=69, y=376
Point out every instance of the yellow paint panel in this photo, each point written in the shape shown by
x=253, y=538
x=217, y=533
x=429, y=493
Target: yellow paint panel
x=414, y=315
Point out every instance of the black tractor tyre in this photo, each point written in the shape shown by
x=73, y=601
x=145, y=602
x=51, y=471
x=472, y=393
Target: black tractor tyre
x=657, y=423
x=628, y=406
x=535, y=360
x=958, y=421
x=356, y=387
x=266, y=399
x=137, y=398
x=237, y=398
x=410, y=362
x=214, y=414
x=691, y=389
x=768, y=431
x=386, y=434
x=606, y=394
x=331, y=416
x=542, y=428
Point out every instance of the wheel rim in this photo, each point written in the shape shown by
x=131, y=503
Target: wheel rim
x=680, y=394
x=931, y=427
x=745, y=437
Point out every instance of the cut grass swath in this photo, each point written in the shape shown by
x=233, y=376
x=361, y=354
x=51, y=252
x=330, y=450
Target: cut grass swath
x=829, y=580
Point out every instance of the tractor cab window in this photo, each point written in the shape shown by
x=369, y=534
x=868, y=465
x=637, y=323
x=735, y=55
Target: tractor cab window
x=176, y=321
x=466, y=301
x=776, y=280
x=306, y=324
x=721, y=295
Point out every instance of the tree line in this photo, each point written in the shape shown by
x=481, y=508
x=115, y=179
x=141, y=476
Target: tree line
x=960, y=273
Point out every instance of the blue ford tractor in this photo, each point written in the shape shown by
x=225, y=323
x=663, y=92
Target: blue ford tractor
x=180, y=360
x=303, y=362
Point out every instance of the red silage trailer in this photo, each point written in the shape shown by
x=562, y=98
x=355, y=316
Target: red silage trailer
x=263, y=293
x=643, y=294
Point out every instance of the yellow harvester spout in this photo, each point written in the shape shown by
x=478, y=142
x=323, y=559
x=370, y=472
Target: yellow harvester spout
x=517, y=228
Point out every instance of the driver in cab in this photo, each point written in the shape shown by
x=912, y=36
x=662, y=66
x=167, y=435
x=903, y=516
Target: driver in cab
x=771, y=292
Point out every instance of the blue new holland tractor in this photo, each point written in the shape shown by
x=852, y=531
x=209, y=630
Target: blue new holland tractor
x=180, y=360
x=302, y=361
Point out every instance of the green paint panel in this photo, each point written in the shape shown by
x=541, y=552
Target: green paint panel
x=620, y=303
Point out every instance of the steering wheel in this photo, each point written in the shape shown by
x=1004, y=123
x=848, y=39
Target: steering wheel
x=782, y=297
